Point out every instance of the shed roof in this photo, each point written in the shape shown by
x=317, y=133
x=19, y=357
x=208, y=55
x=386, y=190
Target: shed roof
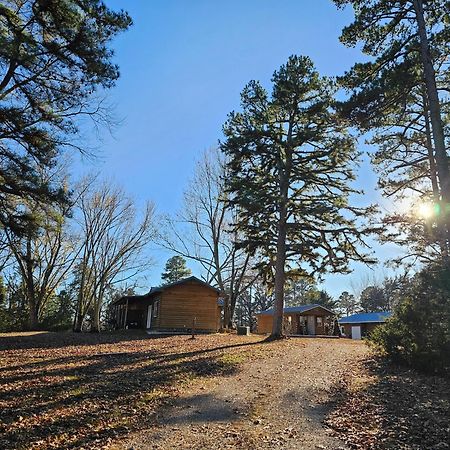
x=296, y=309
x=158, y=289
x=370, y=317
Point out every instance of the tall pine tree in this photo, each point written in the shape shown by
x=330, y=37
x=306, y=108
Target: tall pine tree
x=54, y=55
x=400, y=94
x=290, y=162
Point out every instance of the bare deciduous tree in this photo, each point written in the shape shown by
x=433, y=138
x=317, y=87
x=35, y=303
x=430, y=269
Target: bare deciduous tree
x=202, y=232
x=113, y=247
x=44, y=259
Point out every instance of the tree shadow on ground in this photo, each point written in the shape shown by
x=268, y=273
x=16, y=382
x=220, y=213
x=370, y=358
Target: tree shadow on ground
x=48, y=339
x=384, y=406
x=201, y=408
x=87, y=398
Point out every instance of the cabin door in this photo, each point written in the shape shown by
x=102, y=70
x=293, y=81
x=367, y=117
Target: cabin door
x=149, y=316
x=311, y=325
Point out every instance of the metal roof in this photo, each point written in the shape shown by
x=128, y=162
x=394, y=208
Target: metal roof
x=370, y=317
x=176, y=283
x=296, y=309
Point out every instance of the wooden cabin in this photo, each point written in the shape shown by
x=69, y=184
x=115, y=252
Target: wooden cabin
x=306, y=320
x=172, y=307
x=361, y=325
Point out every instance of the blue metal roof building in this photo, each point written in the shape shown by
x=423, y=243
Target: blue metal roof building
x=371, y=317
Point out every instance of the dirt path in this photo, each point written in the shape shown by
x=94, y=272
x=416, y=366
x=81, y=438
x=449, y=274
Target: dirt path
x=272, y=402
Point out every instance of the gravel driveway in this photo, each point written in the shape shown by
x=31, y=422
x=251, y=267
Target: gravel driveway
x=272, y=402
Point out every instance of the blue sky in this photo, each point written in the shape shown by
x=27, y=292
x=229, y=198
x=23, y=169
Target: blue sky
x=183, y=65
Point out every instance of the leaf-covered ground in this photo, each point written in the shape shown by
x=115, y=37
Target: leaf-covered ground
x=382, y=406
x=64, y=390
x=122, y=390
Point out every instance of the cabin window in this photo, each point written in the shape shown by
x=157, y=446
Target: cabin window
x=319, y=321
x=156, y=308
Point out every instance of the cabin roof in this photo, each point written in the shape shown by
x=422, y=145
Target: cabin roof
x=163, y=287
x=296, y=309
x=158, y=289
x=370, y=317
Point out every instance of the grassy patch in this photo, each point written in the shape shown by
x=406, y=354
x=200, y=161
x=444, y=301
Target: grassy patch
x=77, y=392
x=232, y=359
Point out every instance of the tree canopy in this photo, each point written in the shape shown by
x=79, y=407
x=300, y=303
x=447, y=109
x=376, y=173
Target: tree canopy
x=400, y=94
x=54, y=56
x=175, y=269
x=290, y=164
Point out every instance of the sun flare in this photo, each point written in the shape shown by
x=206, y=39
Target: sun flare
x=425, y=210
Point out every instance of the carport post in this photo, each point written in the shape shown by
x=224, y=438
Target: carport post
x=125, y=316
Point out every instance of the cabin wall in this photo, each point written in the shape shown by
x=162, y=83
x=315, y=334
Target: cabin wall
x=295, y=323
x=264, y=324
x=179, y=305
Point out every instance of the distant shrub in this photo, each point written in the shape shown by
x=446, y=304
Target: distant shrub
x=418, y=333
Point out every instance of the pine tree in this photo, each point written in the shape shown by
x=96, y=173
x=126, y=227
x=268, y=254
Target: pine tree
x=289, y=168
x=347, y=303
x=373, y=298
x=175, y=270
x=299, y=291
x=400, y=94
x=326, y=300
x=54, y=55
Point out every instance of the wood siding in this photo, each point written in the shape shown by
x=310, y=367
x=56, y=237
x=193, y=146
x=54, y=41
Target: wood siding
x=264, y=324
x=179, y=305
x=295, y=323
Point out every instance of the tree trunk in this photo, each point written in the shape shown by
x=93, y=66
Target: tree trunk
x=33, y=320
x=442, y=225
x=435, y=109
x=77, y=323
x=31, y=294
x=232, y=307
x=78, y=319
x=226, y=311
x=280, y=276
x=33, y=308
x=95, y=327
x=430, y=149
x=280, y=261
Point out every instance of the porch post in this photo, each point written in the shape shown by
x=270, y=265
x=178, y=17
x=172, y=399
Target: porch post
x=125, y=315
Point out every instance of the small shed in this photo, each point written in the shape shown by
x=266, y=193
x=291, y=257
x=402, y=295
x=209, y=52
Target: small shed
x=307, y=320
x=172, y=307
x=361, y=325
